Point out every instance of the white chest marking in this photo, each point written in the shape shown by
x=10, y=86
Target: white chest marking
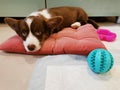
x=44, y=13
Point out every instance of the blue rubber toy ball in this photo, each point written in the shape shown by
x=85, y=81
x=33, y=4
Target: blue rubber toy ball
x=100, y=61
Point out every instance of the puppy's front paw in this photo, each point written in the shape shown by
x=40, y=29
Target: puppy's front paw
x=75, y=25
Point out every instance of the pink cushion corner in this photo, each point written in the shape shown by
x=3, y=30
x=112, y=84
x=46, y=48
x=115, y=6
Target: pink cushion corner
x=13, y=44
x=68, y=41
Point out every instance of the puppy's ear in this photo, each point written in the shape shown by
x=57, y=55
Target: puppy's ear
x=54, y=22
x=13, y=23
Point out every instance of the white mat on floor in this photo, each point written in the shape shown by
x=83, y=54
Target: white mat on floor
x=78, y=77
x=38, y=81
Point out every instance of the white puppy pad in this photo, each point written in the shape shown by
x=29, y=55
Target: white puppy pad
x=80, y=77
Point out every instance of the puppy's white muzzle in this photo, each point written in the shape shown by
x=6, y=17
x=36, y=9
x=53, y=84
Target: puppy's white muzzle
x=31, y=43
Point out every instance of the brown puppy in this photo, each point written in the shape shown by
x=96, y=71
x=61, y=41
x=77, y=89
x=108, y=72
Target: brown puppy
x=39, y=25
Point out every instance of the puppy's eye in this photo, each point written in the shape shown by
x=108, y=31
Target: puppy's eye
x=24, y=33
x=37, y=33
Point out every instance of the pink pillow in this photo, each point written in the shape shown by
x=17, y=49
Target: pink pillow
x=68, y=41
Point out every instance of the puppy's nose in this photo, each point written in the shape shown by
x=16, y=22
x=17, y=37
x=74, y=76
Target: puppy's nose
x=31, y=47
